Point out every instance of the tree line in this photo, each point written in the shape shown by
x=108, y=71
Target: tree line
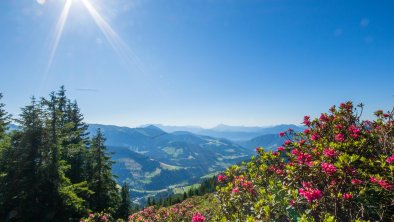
x=206, y=186
x=51, y=169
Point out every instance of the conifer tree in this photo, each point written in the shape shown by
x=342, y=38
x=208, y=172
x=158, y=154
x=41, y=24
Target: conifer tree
x=125, y=205
x=102, y=183
x=23, y=196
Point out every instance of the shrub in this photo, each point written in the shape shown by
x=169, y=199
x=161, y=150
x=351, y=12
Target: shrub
x=98, y=217
x=196, y=209
x=340, y=168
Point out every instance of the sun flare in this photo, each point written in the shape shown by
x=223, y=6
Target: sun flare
x=112, y=37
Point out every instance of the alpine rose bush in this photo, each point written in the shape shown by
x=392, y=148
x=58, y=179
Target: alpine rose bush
x=98, y=217
x=340, y=168
x=193, y=209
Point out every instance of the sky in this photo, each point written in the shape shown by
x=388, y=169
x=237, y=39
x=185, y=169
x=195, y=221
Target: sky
x=199, y=62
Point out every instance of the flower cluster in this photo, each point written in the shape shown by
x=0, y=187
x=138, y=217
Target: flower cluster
x=309, y=193
x=190, y=210
x=222, y=178
x=330, y=152
x=98, y=217
x=241, y=182
x=346, y=161
x=198, y=218
x=383, y=183
x=328, y=168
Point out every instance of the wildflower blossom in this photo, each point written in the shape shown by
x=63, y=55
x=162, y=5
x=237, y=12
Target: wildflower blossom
x=329, y=152
x=328, y=168
x=390, y=159
x=222, y=178
x=347, y=196
x=198, y=218
x=339, y=137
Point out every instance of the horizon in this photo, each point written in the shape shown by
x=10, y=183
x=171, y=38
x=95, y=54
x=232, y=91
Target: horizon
x=203, y=63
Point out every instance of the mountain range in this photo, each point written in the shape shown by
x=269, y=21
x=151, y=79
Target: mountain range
x=156, y=158
x=234, y=133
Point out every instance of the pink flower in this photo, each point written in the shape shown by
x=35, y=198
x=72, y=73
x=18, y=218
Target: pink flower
x=354, y=135
x=280, y=149
x=306, y=184
x=91, y=215
x=287, y=142
x=294, y=152
x=390, y=159
x=329, y=152
x=281, y=134
x=357, y=181
x=304, y=158
x=339, y=137
x=384, y=184
x=308, y=193
x=373, y=179
x=315, y=137
x=198, y=218
x=104, y=218
x=323, y=117
x=328, y=168
x=302, y=142
x=307, y=120
x=338, y=126
x=354, y=129
x=306, y=131
x=235, y=190
x=279, y=171
x=222, y=178
x=347, y=196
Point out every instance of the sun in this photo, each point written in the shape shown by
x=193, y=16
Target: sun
x=41, y=2
x=112, y=37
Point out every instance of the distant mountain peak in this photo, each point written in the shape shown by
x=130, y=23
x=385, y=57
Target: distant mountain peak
x=152, y=127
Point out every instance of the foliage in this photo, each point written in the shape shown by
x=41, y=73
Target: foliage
x=102, y=181
x=196, y=209
x=98, y=217
x=46, y=172
x=207, y=185
x=339, y=169
x=125, y=205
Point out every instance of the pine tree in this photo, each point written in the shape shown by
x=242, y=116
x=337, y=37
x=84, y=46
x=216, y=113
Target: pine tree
x=102, y=183
x=5, y=161
x=4, y=119
x=124, y=209
x=23, y=199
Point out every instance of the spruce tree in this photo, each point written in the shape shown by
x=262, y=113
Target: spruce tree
x=125, y=205
x=5, y=150
x=102, y=182
x=24, y=199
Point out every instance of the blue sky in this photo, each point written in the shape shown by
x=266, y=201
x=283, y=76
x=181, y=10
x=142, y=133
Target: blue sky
x=201, y=62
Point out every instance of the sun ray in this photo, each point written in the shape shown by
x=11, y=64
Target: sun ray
x=59, y=32
x=112, y=37
x=55, y=43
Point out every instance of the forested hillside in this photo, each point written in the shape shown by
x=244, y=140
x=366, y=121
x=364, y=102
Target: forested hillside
x=50, y=169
